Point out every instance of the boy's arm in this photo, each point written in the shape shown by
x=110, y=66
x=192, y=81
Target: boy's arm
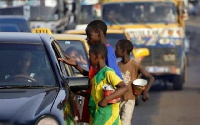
x=72, y=62
x=150, y=78
x=111, y=62
x=84, y=94
x=122, y=88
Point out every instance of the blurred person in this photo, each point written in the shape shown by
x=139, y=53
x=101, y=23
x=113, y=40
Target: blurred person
x=24, y=72
x=75, y=54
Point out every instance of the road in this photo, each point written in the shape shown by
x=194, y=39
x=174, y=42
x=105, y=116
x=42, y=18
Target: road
x=169, y=107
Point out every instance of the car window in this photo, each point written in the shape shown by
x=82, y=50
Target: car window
x=66, y=69
x=25, y=64
x=76, y=50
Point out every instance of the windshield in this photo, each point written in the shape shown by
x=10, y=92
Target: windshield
x=87, y=14
x=139, y=12
x=76, y=50
x=25, y=65
x=40, y=10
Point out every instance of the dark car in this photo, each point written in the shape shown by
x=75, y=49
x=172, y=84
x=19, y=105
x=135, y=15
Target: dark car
x=19, y=21
x=36, y=88
x=9, y=28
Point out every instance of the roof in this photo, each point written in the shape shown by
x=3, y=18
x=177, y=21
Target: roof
x=20, y=21
x=69, y=36
x=83, y=31
x=22, y=37
x=114, y=1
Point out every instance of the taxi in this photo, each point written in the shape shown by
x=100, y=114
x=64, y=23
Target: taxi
x=112, y=36
x=36, y=88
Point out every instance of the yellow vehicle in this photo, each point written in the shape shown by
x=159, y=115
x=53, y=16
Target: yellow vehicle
x=113, y=36
x=158, y=25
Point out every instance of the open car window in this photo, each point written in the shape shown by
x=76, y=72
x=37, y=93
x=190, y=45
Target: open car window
x=76, y=50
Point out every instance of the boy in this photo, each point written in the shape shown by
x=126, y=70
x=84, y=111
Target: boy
x=96, y=33
x=101, y=112
x=130, y=71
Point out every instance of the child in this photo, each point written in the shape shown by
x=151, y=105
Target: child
x=101, y=112
x=130, y=71
x=96, y=33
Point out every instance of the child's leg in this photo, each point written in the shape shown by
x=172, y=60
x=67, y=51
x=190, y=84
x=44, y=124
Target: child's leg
x=126, y=111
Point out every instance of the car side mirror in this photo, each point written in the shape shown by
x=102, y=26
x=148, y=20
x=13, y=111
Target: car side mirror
x=78, y=83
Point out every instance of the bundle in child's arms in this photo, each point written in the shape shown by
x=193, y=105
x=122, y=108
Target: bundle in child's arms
x=108, y=90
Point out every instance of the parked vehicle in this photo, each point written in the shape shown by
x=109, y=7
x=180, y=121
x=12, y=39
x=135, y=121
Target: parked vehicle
x=112, y=37
x=50, y=14
x=19, y=24
x=9, y=28
x=36, y=88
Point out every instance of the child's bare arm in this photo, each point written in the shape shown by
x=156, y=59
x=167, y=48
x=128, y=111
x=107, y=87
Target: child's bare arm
x=122, y=88
x=72, y=62
x=150, y=79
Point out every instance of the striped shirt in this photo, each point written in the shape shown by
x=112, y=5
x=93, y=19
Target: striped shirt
x=108, y=115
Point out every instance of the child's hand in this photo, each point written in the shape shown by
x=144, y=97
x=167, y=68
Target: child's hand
x=145, y=96
x=103, y=103
x=68, y=61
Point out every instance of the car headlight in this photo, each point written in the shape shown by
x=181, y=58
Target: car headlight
x=47, y=120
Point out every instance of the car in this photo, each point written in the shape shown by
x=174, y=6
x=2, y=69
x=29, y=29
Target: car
x=36, y=88
x=113, y=36
x=21, y=23
x=9, y=28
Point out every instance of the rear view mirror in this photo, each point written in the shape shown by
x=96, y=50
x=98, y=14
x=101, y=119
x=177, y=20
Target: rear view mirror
x=78, y=83
x=140, y=52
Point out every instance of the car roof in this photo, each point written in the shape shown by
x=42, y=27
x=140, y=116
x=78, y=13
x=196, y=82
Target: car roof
x=20, y=21
x=23, y=37
x=69, y=36
x=9, y=28
x=12, y=16
x=83, y=31
x=81, y=38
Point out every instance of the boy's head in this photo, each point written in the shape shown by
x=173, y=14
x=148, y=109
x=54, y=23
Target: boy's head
x=97, y=53
x=95, y=31
x=123, y=46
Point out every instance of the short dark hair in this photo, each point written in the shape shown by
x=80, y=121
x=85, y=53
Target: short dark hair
x=99, y=48
x=98, y=25
x=126, y=45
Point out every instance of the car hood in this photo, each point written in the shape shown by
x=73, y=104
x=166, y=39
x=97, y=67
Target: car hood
x=25, y=104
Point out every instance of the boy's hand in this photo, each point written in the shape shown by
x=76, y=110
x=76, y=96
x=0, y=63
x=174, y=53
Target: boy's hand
x=103, y=103
x=145, y=96
x=68, y=61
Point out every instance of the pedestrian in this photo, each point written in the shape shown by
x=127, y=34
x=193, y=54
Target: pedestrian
x=96, y=33
x=101, y=112
x=130, y=71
